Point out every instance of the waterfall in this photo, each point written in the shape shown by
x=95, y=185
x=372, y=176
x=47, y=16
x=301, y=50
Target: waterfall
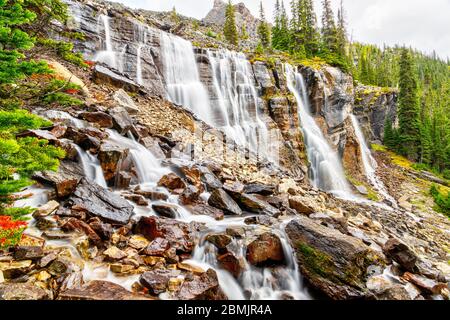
x=182, y=77
x=108, y=55
x=139, y=65
x=370, y=163
x=326, y=170
x=149, y=170
x=254, y=283
x=237, y=111
x=91, y=167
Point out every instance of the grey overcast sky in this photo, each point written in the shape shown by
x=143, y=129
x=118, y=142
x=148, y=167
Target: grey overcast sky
x=423, y=24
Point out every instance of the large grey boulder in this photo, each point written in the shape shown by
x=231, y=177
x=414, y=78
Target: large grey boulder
x=333, y=263
x=99, y=202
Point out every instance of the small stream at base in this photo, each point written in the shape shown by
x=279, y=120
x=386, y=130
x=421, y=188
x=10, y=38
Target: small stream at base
x=254, y=283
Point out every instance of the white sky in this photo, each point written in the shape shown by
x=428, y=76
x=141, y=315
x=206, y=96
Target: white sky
x=423, y=24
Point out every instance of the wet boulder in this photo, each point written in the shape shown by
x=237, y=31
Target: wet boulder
x=114, y=254
x=204, y=209
x=231, y=263
x=190, y=195
x=193, y=174
x=221, y=200
x=157, y=247
x=302, y=205
x=166, y=210
x=137, y=198
x=64, y=184
x=401, y=253
x=104, y=230
x=111, y=157
x=99, y=290
x=333, y=263
x=99, y=202
x=261, y=189
x=121, y=119
x=179, y=234
x=427, y=286
x=201, y=287
x=209, y=179
x=39, y=134
x=172, y=182
x=86, y=139
x=266, y=249
x=28, y=253
x=46, y=209
x=253, y=204
x=101, y=119
x=123, y=180
x=157, y=281
x=73, y=224
x=221, y=241
x=154, y=147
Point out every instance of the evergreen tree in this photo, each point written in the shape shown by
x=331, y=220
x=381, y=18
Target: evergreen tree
x=264, y=29
x=276, y=30
x=244, y=32
x=329, y=30
x=408, y=113
x=284, y=38
x=389, y=139
x=14, y=41
x=230, y=30
x=341, y=32
x=297, y=43
x=310, y=31
x=426, y=143
x=174, y=15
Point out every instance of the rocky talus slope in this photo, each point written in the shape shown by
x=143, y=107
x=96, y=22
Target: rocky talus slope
x=155, y=202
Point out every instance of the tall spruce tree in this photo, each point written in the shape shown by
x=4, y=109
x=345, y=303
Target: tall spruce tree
x=341, y=31
x=230, y=30
x=310, y=30
x=264, y=29
x=390, y=137
x=276, y=30
x=409, y=111
x=329, y=30
x=297, y=43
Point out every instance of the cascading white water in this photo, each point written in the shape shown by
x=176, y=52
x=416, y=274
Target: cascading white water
x=254, y=283
x=107, y=55
x=326, y=170
x=91, y=167
x=148, y=168
x=182, y=78
x=237, y=111
x=370, y=164
x=139, y=65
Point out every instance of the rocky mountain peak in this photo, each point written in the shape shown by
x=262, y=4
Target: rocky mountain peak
x=243, y=16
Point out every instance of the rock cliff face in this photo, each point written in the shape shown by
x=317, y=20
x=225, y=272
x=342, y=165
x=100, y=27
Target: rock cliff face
x=133, y=52
x=331, y=94
x=373, y=106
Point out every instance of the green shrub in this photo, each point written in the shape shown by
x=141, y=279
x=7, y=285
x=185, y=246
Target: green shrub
x=442, y=201
x=64, y=50
x=62, y=99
